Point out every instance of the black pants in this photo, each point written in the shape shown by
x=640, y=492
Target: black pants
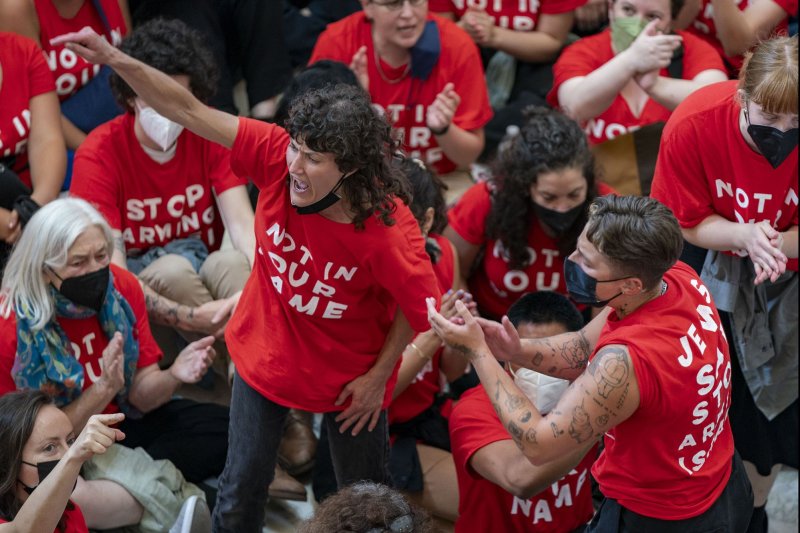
x=245, y=37
x=194, y=436
x=729, y=514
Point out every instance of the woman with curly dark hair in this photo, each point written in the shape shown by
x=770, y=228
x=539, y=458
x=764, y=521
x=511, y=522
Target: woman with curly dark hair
x=367, y=507
x=513, y=232
x=338, y=283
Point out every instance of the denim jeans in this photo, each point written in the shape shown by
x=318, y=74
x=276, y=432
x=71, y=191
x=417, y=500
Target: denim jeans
x=256, y=427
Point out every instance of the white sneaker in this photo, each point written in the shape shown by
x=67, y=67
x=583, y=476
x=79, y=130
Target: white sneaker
x=193, y=518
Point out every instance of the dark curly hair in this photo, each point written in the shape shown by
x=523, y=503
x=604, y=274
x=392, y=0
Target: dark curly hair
x=340, y=120
x=548, y=141
x=315, y=76
x=18, y=412
x=173, y=48
x=367, y=506
x=427, y=190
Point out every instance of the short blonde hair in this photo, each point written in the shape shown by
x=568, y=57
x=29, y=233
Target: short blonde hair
x=769, y=75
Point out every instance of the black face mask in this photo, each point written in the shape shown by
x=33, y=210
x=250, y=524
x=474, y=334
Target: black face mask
x=43, y=469
x=88, y=290
x=582, y=287
x=775, y=145
x=323, y=203
x=559, y=222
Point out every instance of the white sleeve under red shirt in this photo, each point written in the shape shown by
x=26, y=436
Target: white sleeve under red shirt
x=149, y=202
x=590, y=53
x=421, y=392
x=484, y=506
x=705, y=167
x=672, y=458
x=405, y=102
x=71, y=71
x=494, y=285
x=319, y=303
x=87, y=337
x=510, y=14
x=704, y=27
x=24, y=76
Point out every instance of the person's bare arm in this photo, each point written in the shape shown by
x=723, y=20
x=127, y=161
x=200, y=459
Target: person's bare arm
x=165, y=95
x=238, y=218
x=466, y=253
x=415, y=358
x=669, y=92
x=739, y=30
x=46, y=150
x=73, y=137
x=563, y=356
x=603, y=396
x=19, y=16
x=538, y=46
x=503, y=464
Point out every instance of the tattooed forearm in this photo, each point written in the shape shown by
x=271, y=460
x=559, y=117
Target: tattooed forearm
x=516, y=433
x=557, y=432
x=530, y=436
x=525, y=417
x=576, y=351
x=610, y=369
x=166, y=312
x=580, y=428
x=512, y=401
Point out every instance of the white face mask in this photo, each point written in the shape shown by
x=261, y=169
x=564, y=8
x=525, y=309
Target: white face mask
x=544, y=391
x=161, y=130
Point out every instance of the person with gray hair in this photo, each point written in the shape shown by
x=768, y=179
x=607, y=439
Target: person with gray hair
x=74, y=326
x=657, y=383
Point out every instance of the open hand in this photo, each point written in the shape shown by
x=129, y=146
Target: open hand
x=193, y=361
x=441, y=112
x=113, y=365
x=463, y=334
x=367, y=393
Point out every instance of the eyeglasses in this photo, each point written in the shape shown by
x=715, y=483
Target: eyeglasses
x=396, y=5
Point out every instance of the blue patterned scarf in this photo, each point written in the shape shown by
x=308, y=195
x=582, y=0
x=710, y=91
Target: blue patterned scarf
x=45, y=359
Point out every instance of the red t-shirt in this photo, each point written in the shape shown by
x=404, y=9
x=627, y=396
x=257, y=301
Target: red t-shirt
x=25, y=75
x=510, y=14
x=705, y=167
x=494, y=285
x=419, y=395
x=672, y=458
x=72, y=519
x=71, y=71
x=703, y=26
x=150, y=203
x=406, y=101
x=322, y=296
x=590, y=53
x=484, y=506
x=87, y=338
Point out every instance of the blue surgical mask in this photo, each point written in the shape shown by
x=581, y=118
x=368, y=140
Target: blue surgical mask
x=582, y=287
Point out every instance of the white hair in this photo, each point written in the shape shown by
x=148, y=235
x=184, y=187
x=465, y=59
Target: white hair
x=45, y=242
